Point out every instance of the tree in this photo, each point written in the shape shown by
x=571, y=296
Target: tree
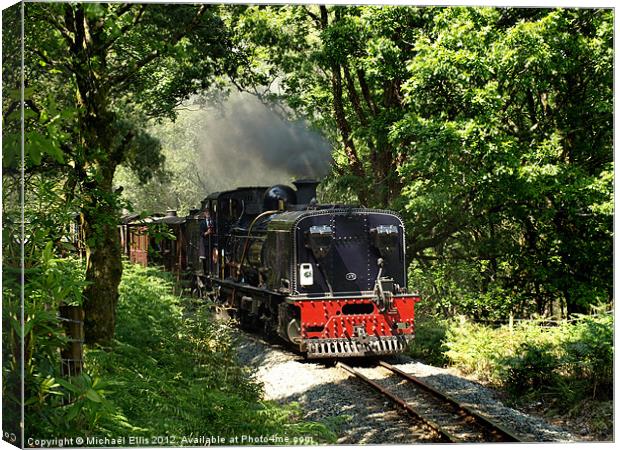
x=509, y=137
x=95, y=74
x=12, y=340
x=489, y=129
x=343, y=67
x=185, y=182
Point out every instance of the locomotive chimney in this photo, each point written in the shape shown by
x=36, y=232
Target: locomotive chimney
x=306, y=190
x=171, y=213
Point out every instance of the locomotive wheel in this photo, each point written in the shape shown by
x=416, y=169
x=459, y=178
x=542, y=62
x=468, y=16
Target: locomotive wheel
x=270, y=329
x=293, y=331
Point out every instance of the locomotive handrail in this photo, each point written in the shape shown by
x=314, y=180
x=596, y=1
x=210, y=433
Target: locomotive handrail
x=245, y=286
x=360, y=295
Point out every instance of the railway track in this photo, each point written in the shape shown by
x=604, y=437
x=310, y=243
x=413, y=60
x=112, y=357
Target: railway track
x=451, y=420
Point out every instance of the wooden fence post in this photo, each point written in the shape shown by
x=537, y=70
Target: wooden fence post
x=72, y=318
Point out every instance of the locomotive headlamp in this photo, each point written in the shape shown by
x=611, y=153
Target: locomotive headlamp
x=306, y=277
x=319, y=240
x=385, y=238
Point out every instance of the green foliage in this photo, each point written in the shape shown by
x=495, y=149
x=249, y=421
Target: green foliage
x=53, y=404
x=567, y=368
x=589, y=353
x=173, y=371
x=58, y=281
x=339, y=67
x=463, y=287
x=477, y=349
x=106, y=77
x=428, y=345
x=80, y=408
x=564, y=364
x=97, y=76
x=488, y=129
x=75, y=406
x=533, y=369
x=11, y=357
x=504, y=165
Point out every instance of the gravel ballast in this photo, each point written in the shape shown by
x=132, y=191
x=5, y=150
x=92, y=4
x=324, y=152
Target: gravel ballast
x=359, y=415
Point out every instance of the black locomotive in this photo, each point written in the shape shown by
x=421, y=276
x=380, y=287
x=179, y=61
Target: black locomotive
x=329, y=279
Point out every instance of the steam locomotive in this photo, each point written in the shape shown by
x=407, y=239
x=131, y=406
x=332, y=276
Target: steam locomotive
x=329, y=279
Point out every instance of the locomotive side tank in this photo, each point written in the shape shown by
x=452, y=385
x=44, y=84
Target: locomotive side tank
x=330, y=279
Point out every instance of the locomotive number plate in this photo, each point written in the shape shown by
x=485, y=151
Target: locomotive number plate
x=351, y=276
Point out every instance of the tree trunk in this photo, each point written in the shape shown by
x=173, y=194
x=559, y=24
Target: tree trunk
x=104, y=266
x=104, y=269
x=572, y=307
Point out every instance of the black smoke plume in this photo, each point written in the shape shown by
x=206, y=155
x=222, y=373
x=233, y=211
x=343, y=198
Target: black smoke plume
x=245, y=143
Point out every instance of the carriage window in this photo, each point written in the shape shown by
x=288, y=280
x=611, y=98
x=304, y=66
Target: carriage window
x=385, y=238
x=319, y=240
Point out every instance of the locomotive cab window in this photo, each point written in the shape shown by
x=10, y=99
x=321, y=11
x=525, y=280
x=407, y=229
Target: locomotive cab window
x=385, y=239
x=319, y=240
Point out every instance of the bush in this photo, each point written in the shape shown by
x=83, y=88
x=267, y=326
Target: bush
x=55, y=405
x=573, y=362
x=428, y=345
x=458, y=287
x=532, y=369
x=476, y=348
x=588, y=349
x=564, y=364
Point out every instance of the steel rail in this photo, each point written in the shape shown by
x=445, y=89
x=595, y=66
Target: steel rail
x=496, y=429
x=402, y=403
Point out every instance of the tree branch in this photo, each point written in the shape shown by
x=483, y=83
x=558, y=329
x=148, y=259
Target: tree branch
x=62, y=29
x=324, y=16
x=12, y=107
x=47, y=60
x=361, y=77
x=119, y=80
x=314, y=17
x=127, y=27
x=353, y=97
x=123, y=9
x=80, y=31
x=343, y=124
x=416, y=245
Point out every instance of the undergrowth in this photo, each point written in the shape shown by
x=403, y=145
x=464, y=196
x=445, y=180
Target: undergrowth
x=430, y=336
x=564, y=367
x=175, y=373
x=170, y=372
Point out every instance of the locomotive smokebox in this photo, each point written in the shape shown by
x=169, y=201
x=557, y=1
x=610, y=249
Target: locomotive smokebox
x=306, y=190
